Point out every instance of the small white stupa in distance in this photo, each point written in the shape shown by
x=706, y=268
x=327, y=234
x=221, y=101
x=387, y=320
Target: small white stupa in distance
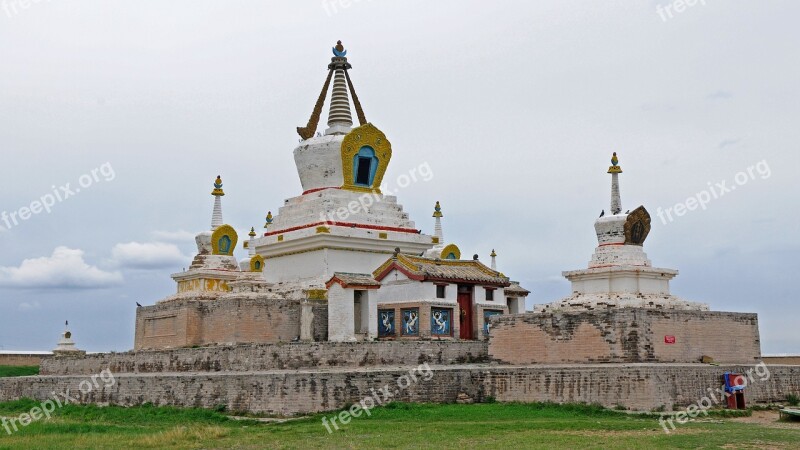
x=619, y=274
x=66, y=346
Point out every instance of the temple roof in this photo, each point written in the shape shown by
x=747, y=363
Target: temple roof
x=434, y=269
x=515, y=290
x=346, y=280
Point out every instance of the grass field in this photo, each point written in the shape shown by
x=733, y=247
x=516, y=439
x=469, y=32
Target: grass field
x=398, y=425
x=18, y=371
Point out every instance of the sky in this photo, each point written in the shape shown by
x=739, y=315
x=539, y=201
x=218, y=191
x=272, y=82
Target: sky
x=116, y=116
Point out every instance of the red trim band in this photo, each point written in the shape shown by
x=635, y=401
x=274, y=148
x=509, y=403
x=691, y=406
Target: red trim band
x=311, y=191
x=344, y=224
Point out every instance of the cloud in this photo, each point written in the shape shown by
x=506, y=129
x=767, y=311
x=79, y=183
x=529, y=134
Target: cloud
x=180, y=235
x=152, y=255
x=29, y=306
x=65, y=268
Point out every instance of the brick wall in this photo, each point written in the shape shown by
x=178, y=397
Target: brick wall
x=635, y=386
x=187, y=323
x=272, y=356
x=782, y=360
x=625, y=335
x=21, y=359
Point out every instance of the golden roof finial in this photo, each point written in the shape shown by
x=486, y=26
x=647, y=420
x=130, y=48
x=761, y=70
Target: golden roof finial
x=252, y=233
x=269, y=219
x=437, y=210
x=615, y=168
x=218, y=187
x=493, y=254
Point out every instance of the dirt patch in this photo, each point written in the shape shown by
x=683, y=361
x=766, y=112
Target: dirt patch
x=768, y=419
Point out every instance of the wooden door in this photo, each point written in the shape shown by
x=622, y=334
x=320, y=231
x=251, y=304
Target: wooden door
x=465, y=314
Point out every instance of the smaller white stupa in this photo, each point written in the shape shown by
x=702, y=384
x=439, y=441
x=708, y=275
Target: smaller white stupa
x=66, y=346
x=619, y=274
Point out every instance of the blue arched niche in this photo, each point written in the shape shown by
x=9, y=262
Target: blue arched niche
x=365, y=164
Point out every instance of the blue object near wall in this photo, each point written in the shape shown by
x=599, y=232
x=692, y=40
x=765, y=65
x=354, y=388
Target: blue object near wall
x=487, y=313
x=386, y=325
x=410, y=322
x=441, y=322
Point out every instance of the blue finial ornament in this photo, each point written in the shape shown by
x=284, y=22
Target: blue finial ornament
x=614, y=159
x=339, y=50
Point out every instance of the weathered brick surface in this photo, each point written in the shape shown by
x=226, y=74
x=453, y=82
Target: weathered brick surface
x=636, y=386
x=624, y=335
x=22, y=359
x=186, y=323
x=782, y=360
x=261, y=357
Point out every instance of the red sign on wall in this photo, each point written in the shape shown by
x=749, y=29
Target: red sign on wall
x=669, y=339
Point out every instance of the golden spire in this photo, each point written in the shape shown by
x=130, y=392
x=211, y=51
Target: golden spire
x=252, y=233
x=615, y=168
x=493, y=254
x=217, y=187
x=437, y=210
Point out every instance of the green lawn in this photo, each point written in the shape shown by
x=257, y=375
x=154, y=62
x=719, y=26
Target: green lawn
x=18, y=371
x=492, y=425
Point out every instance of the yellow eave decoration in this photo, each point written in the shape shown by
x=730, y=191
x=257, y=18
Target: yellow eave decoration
x=365, y=135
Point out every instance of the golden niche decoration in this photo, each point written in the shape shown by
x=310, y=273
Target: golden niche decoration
x=637, y=226
x=223, y=240
x=365, y=136
x=451, y=251
x=257, y=263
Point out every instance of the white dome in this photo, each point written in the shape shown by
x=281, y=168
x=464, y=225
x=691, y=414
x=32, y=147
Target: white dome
x=319, y=162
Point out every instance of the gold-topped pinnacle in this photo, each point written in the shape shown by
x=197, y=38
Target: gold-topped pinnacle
x=437, y=210
x=218, y=187
x=252, y=232
x=269, y=219
x=615, y=168
x=493, y=254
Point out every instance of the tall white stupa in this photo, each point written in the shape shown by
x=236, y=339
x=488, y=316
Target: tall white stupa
x=341, y=222
x=619, y=274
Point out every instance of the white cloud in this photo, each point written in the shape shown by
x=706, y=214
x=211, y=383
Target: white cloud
x=65, y=268
x=180, y=235
x=29, y=306
x=152, y=255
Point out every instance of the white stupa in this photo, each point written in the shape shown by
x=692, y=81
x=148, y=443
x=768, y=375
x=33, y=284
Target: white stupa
x=66, y=346
x=342, y=222
x=619, y=274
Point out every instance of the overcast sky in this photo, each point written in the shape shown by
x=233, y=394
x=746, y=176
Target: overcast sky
x=515, y=106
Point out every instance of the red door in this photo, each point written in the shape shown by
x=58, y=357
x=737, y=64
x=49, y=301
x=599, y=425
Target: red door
x=465, y=313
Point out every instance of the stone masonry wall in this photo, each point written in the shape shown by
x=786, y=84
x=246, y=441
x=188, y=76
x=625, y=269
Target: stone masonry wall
x=261, y=357
x=186, y=323
x=625, y=336
x=21, y=359
x=289, y=392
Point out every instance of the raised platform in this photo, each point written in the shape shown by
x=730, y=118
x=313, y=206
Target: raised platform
x=262, y=357
x=643, y=387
